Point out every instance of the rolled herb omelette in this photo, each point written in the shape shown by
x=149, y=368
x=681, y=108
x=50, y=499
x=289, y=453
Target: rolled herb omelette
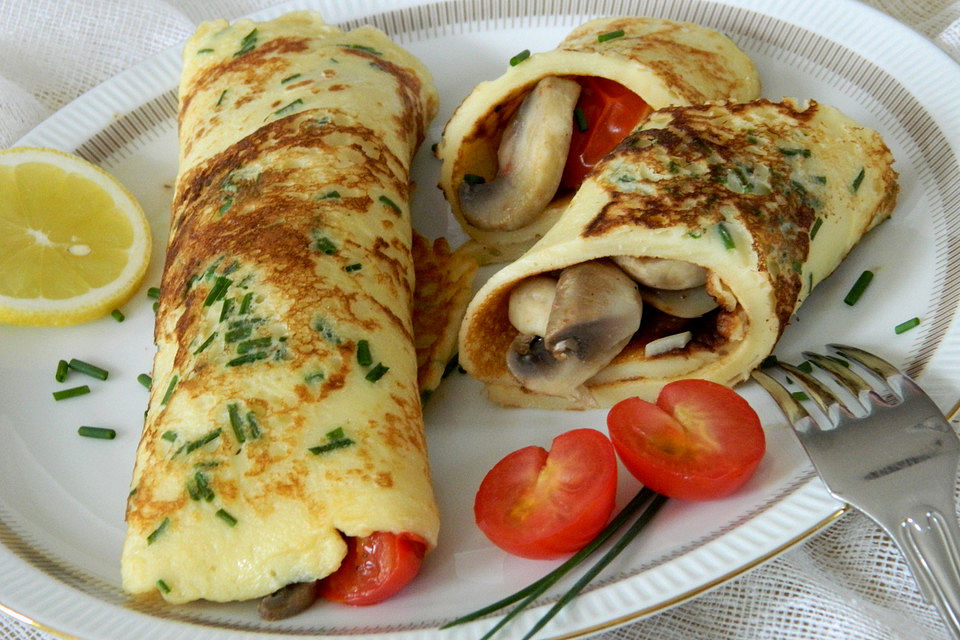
x=684, y=255
x=516, y=149
x=284, y=419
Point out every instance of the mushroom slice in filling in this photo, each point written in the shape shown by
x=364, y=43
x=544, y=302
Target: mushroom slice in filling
x=288, y=601
x=596, y=310
x=530, y=304
x=531, y=157
x=686, y=303
x=663, y=273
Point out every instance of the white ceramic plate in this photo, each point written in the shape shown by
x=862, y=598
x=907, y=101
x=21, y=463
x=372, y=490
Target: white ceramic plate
x=62, y=497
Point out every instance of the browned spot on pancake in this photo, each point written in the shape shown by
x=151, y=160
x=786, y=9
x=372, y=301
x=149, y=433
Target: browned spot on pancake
x=384, y=479
x=337, y=87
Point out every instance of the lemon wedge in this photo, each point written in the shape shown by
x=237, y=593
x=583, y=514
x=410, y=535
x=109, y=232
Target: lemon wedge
x=74, y=244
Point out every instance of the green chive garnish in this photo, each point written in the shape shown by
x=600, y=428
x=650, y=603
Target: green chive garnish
x=282, y=111
x=97, y=432
x=223, y=94
x=858, y=288
x=225, y=310
x=236, y=421
x=580, y=119
x=363, y=47
x=153, y=292
x=820, y=179
x=805, y=366
x=377, y=372
x=906, y=326
x=328, y=196
x=472, y=178
x=520, y=57
x=795, y=152
x=71, y=392
x=61, y=373
x=206, y=50
x=239, y=333
x=725, y=236
x=156, y=532
x=169, y=391
x=162, y=586
x=350, y=268
x=226, y=517
x=145, y=380
x=330, y=446
x=324, y=245
x=218, y=290
x=253, y=345
x=88, y=369
x=206, y=343
x=815, y=228
x=610, y=35
x=364, y=359
x=290, y=78
x=254, y=425
x=390, y=203
x=245, y=303
x=193, y=445
x=249, y=43
x=118, y=315
x=169, y=436
x=247, y=359
x=855, y=185
x=799, y=396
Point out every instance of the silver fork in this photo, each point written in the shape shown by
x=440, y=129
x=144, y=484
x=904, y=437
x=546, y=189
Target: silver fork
x=885, y=448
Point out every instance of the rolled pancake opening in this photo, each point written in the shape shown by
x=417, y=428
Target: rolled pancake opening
x=723, y=217
x=509, y=167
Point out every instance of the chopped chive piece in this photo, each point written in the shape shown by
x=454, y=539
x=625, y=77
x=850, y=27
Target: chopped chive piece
x=145, y=380
x=855, y=185
x=610, y=35
x=820, y=179
x=225, y=310
x=101, y=433
x=815, y=228
x=71, y=392
x=218, y=290
x=223, y=94
x=581, y=119
x=906, y=326
x=327, y=331
x=249, y=43
x=200, y=487
x=330, y=446
x=162, y=586
x=858, y=288
x=350, y=268
x=805, y=366
x=799, y=396
x=156, y=532
x=225, y=206
x=253, y=345
x=193, y=445
x=769, y=361
x=245, y=303
x=236, y=421
x=390, y=203
x=226, y=517
x=364, y=359
x=377, y=372
x=247, y=358
x=316, y=376
x=156, y=305
x=118, y=315
x=254, y=425
x=329, y=195
x=363, y=47
x=61, y=373
x=153, y=292
x=206, y=343
x=335, y=434
x=169, y=391
x=239, y=333
x=725, y=236
x=795, y=152
x=520, y=57
x=205, y=50
x=169, y=436
x=290, y=78
x=472, y=178
x=282, y=111
x=91, y=370
x=324, y=245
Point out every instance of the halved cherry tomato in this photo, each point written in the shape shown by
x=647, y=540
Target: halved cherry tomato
x=699, y=441
x=611, y=111
x=376, y=567
x=536, y=504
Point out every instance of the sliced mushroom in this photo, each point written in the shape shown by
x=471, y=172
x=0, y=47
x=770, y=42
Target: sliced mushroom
x=687, y=303
x=596, y=311
x=531, y=157
x=288, y=601
x=530, y=304
x=661, y=273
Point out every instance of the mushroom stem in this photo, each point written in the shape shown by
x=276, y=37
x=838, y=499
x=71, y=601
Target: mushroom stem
x=531, y=157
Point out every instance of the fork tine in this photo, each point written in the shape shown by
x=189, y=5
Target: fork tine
x=847, y=378
x=878, y=365
x=820, y=394
x=793, y=409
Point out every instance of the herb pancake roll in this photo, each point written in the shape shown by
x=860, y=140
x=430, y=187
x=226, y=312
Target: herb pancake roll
x=519, y=146
x=683, y=255
x=284, y=428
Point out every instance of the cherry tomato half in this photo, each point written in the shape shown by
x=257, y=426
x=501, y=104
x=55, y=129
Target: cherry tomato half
x=376, y=567
x=699, y=441
x=536, y=504
x=610, y=111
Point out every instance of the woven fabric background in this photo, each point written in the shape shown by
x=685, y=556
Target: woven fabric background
x=848, y=582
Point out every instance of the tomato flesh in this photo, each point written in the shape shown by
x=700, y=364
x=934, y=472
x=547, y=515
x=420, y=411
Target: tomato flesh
x=536, y=504
x=611, y=111
x=376, y=567
x=700, y=440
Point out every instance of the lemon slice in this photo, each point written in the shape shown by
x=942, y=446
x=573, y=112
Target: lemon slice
x=74, y=244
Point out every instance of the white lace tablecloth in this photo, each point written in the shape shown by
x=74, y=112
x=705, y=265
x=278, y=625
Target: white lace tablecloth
x=848, y=582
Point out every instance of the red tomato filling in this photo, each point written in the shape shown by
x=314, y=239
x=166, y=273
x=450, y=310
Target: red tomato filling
x=376, y=567
x=610, y=111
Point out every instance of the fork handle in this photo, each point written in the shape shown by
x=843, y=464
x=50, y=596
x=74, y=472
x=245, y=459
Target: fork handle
x=929, y=540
